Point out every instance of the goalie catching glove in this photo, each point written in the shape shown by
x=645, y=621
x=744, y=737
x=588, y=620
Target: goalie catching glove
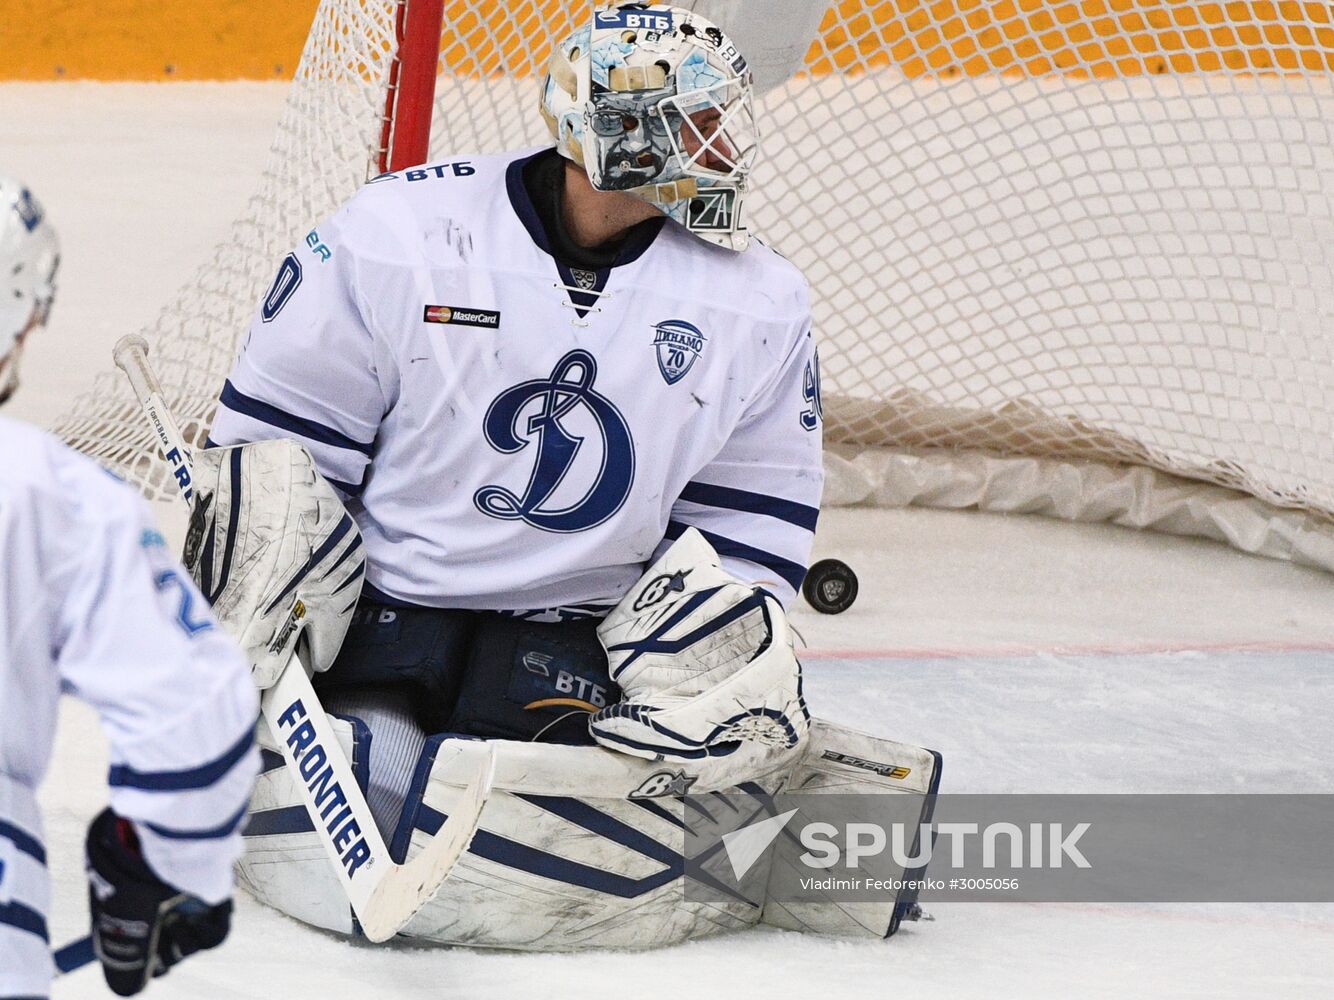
x=705, y=663
x=275, y=552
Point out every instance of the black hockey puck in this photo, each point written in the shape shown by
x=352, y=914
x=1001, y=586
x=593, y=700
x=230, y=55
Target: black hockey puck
x=830, y=586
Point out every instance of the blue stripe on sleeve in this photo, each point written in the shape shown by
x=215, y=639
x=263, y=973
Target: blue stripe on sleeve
x=124, y=776
x=25, y=842
x=23, y=918
x=266, y=413
x=729, y=498
x=791, y=572
x=347, y=489
x=226, y=829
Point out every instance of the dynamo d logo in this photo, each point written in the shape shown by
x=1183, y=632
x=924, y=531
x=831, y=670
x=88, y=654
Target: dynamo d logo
x=584, y=457
x=678, y=344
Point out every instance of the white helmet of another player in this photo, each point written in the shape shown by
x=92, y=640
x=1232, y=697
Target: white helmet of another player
x=29, y=256
x=657, y=101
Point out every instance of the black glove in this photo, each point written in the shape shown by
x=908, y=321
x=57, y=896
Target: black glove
x=141, y=925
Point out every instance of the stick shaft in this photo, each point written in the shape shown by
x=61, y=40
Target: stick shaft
x=383, y=895
x=131, y=356
x=74, y=955
x=290, y=708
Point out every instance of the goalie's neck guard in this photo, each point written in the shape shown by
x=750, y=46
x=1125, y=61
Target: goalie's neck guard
x=657, y=102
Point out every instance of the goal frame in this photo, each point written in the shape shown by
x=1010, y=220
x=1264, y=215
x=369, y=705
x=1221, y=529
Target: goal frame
x=405, y=134
x=941, y=390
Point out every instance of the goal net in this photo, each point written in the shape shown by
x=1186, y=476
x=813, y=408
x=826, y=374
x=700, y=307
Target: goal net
x=1065, y=256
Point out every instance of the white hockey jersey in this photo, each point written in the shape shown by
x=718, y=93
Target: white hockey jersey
x=92, y=604
x=518, y=435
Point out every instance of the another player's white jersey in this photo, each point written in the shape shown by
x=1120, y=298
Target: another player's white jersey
x=92, y=604
x=519, y=435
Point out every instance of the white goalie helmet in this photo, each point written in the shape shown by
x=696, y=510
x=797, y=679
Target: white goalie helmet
x=657, y=101
x=29, y=257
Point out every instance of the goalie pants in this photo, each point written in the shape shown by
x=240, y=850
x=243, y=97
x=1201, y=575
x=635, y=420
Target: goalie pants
x=478, y=673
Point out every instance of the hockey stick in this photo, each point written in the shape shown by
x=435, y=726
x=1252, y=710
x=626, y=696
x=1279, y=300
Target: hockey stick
x=384, y=896
x=74, y=955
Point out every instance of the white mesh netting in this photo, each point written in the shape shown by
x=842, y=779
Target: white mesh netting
x=1090, y=229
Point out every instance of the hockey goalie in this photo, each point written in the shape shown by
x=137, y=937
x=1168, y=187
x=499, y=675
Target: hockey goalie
x=536, y=438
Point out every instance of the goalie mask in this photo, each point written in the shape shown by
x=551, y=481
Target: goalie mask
x=29, y=256
x=657, y=101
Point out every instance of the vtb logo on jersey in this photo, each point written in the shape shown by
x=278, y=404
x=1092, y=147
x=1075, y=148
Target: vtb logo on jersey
x=678, y=344
x=584, y=459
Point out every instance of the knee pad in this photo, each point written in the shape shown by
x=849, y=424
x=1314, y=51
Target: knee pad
x=285, y=864
x=532, y=681
x=422, y=649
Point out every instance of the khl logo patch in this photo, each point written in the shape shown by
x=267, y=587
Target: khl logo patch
x=678, y=344
x=585, y=457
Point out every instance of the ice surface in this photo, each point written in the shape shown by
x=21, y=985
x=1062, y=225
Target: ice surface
x=1036, y=656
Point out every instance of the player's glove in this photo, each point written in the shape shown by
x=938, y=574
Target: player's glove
x=141, y=925
x=705, y=663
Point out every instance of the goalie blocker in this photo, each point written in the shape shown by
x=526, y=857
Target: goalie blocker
x=276, y=554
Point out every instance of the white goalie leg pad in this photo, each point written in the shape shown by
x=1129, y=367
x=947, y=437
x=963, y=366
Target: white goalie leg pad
x=705, y=663
x=578, y=848
x=841, y=761
x=285, y=864
x=273, y=549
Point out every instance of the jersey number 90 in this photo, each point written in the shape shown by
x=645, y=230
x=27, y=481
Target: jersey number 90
x=284, y=285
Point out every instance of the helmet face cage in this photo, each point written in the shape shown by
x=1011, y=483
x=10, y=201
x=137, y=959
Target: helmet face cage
x=657, y=102
x=651, y=137
x=714, y=133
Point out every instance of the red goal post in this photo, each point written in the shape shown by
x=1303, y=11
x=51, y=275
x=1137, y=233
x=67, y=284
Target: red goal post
x=409, y=103
x=1073, y=257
